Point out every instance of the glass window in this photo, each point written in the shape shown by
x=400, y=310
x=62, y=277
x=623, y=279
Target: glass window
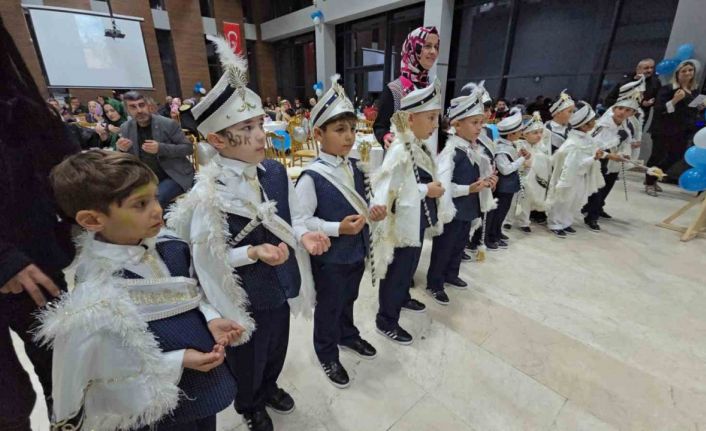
x=168, y=60
x=558, y=45
x=296, y=67
x=480, y=29
x=368, y=50
x=206, y=8
x=157, y=4
x=214, y=64
x=275, y=8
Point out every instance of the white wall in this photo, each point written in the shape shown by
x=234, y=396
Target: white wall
x=335, y=12
x=689, y=27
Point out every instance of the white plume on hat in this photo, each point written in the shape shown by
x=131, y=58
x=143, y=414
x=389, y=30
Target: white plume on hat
x=230, y=101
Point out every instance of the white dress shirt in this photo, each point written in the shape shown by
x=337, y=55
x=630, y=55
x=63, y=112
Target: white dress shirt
x=503, y=163
x=241, y=180
x=306, y=192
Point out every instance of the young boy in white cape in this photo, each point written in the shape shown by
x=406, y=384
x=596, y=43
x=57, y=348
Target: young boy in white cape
x=577, y=172
x=247, y=233
x=460, y=174
x=407, y=185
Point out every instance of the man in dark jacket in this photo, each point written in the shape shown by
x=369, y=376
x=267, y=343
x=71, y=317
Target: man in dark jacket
x=34, y=245
x=645, y=67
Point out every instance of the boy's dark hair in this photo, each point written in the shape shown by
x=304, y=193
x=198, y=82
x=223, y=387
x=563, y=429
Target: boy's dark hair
x=343, y=116
x=95, y=179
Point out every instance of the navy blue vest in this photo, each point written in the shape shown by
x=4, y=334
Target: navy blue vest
x=333, y=206
x=268, y=287
x=465, y=172
x=425, y=178
x=206, y=393
x=507, y=183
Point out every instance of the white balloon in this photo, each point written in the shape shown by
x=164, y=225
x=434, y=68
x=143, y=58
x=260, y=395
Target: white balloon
x=700, y=138
x=299, y=134
x=319, y=92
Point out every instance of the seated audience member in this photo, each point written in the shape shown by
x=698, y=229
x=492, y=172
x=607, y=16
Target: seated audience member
x=109, y=129
x=161, y=144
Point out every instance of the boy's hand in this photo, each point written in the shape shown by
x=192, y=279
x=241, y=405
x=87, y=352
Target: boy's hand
x=225, y=331
x=477, y=186
x=351, y=225
x=599, y=154
x=272, y=255
x=316, y=243
x=377, y=212
x=434, y=189
x=204, y=362
x=123, y=144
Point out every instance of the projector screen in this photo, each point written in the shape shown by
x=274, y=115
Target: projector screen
x=76, y=53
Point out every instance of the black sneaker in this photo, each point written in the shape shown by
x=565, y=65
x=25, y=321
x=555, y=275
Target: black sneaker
x=605, y=215
x=466, y=257
x=492, y=246
x=507, y=226
x=258, y=421
x=280, y=401
x=439, y=296
x=502, y=244
x=414, y=306
x=559, y=233
x=457, y=283
x=473, y=249
x=504, y=237
x=398, y=335
x=336, y=374
x=360, y=348
x=526, y=229
x=593, y=225
x=569, y=230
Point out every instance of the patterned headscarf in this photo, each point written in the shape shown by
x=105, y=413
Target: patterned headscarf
x=410, y=67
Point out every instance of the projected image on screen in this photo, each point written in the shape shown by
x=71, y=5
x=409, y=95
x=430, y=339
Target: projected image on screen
x=76, y=52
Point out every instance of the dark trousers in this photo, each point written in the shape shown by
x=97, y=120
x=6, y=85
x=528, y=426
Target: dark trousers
x=446, y=253
x=167, y=191
x=495, y=223
x=596, y=202
x=666, y=151
x=17, y=397
x=394, y=288
x=336, y=291
x=257, y=364
x=205, y=424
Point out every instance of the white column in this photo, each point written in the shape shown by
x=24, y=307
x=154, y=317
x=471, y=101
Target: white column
x=688, y=27
x=325, y=53
x=440, y=14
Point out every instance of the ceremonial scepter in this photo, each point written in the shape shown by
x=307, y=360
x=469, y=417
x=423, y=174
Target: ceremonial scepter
x=364, y=150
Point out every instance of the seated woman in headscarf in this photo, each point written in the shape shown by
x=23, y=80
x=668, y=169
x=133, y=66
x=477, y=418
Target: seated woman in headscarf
x=95, y=112
x=419, y=53
x=109, y=128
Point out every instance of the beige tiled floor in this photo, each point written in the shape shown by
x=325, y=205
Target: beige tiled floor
x=596, y=332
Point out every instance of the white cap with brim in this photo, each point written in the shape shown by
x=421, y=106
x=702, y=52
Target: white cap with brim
x=512, y=123
x=467, y=106
x=332, y=104
x=230, y=101
x=422, y=99
x=534, y=123
x=583, y=114
x=564, y=101
x=630, y=94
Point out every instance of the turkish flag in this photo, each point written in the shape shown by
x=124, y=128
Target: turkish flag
x=232, y=34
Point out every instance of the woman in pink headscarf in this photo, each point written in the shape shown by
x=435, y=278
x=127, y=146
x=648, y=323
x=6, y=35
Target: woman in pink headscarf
x=419, y=53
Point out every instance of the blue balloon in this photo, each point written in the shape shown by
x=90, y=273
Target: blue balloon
x=685, y=52
x=696, y=157
x=493, y=128
x=667, y=66
x=693, y=180
x=283, y=144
